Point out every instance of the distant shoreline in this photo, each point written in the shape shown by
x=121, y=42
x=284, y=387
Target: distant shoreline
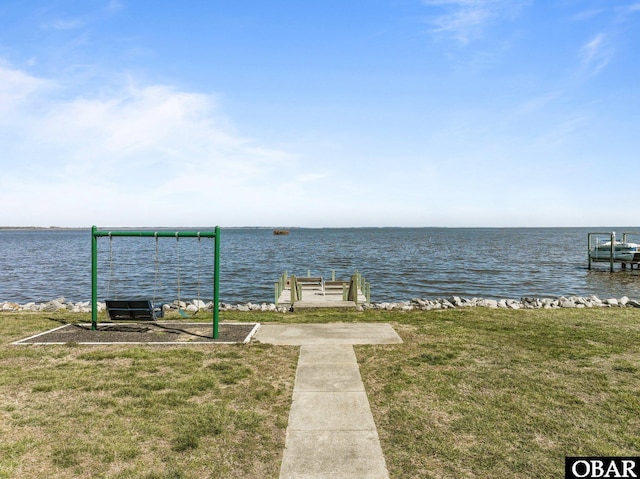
x=47, y=228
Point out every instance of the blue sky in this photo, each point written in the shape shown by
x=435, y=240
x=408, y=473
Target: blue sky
x=332, y=113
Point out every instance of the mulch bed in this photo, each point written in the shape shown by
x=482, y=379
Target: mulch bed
x=147, y=332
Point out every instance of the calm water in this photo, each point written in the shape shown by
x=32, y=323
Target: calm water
x=400, y=263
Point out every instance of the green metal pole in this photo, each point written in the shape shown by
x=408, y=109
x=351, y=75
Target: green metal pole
x=159, y=234
x=96, y=233
x=94, y=279
x=216, y=284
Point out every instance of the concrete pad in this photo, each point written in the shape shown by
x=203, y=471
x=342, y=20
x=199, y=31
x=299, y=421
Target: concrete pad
x=328, y=377
x=332, y=333
x=326, y=454
x=321, y=411
x=326, y=354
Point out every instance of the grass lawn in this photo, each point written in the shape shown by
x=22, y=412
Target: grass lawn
x=471, y=393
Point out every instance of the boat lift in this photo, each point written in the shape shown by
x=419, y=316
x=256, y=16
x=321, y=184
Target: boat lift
x=611, y=257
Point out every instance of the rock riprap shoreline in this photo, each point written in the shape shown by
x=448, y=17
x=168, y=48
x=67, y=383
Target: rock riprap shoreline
x=60, y=304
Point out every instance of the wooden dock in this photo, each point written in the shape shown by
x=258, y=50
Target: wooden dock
x=316, y=292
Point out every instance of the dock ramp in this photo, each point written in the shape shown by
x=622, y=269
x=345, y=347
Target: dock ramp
x=316, y=292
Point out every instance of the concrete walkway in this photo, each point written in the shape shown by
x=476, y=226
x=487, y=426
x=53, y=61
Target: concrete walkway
x=331, y=432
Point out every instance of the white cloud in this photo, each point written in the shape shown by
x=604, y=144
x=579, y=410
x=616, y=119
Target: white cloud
x=15, y=88
x=139, y=153
x=466, y=20
x=114, y=5
x=634, y=8
x=312, y=177
x=536, y=104
x=63, y=24
x=596, y=54
x=587, y=14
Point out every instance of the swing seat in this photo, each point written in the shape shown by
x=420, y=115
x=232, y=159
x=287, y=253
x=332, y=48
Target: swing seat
x=133, y=309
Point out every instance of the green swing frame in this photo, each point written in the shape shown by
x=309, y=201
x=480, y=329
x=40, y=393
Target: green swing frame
x=98, y=233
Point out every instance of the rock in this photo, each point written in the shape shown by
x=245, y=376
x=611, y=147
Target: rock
x=513, y=304
x=489, y=303
x=446, y=304
x=9, y=306
x=59, y=304
x=198, y=303
x=53, y=306
x=583, y=303
x=456, y=301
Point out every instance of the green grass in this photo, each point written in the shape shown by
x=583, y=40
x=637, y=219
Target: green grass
x=470, y=393
x=140, y=412
x=477, y=393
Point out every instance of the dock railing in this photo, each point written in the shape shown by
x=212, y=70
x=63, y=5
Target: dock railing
x=290, y=289
x=357, y=283
x=292, y=283
x=280, y=286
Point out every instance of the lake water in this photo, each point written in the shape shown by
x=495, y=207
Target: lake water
x=400, y=263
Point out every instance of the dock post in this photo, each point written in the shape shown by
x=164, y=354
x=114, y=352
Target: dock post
x=613, y=249
x=333, y=275
x=352, y=295
x=589, y=249
x=293, y=285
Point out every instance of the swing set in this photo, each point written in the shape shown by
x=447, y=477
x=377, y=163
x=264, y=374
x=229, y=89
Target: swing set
x=136, y=309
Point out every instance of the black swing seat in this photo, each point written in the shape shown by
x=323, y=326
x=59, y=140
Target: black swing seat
x=133, y=309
